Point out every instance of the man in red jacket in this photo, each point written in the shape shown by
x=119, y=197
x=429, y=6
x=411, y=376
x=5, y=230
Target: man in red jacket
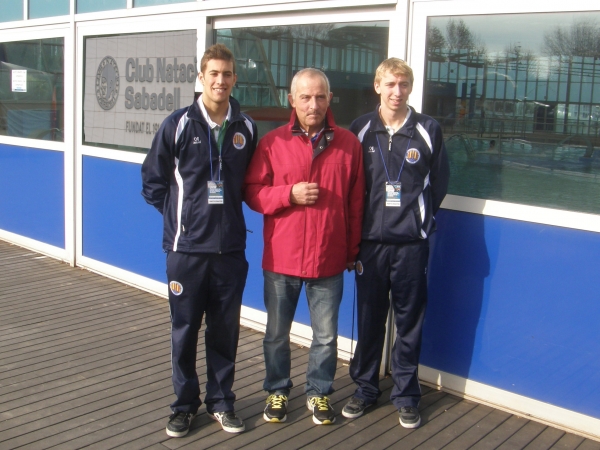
x=307, y=179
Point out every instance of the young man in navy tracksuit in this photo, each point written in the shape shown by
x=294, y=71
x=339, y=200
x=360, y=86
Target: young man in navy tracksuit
x=407, y=171
x=193, y=175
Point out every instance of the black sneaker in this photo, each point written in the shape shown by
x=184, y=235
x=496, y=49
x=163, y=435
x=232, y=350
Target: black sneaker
x=409, y=417
x=355, y=408
x=229, y=421
x=179, y=423
x=276, y=408
x=323, y=413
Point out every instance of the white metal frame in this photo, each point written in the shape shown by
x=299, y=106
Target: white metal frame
x=397, y=17
x=171, y=22
x=421, y=10
x=62, y=30
x=256, y=319
x=540, y=411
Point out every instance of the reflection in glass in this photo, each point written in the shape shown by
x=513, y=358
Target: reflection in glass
x=11, y=10
x=268, y=57
x=518, y=97
x=32, y=89
x=48, y=8
x=85, y=6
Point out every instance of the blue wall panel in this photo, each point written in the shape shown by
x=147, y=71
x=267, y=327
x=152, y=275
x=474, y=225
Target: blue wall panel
x=515, y=305
x=32, y=203
x=119, y=227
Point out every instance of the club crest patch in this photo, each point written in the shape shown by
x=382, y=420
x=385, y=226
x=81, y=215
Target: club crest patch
x=359, y=267
x=176, y=287
x=239, y=140
x=413, y=155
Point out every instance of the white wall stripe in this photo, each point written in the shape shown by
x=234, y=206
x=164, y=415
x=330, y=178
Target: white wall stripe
x=517, y=404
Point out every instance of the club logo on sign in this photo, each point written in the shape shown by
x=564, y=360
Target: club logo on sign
x=107, y=83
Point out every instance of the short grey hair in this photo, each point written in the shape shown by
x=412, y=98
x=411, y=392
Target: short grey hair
x=312, y=72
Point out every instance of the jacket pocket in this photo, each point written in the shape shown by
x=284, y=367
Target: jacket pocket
x=185, y=215
x=417, y=224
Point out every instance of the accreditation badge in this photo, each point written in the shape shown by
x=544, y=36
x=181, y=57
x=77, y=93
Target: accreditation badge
x=392, y=194
x=215, y=193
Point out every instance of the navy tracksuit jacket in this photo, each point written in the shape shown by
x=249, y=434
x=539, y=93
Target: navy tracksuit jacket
x=205, y=243
x=394, y=249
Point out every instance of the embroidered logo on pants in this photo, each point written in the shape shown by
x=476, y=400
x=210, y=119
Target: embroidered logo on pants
x=359, y=267
x=176, y=287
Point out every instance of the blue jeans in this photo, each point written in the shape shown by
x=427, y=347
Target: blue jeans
x=281, y=299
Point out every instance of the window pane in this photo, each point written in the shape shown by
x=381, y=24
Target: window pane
x=32, y=89
x=11, y=10
x=85, y=6
x=158, y=2
x=268, y=57
x=132, y=82
x=48, y=8
x=517, y=96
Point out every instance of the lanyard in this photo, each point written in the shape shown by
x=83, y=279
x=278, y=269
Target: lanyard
x=220, y=140
x=383, y=160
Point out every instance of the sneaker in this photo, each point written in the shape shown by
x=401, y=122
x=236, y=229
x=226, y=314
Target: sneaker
x=229, y=421
x=409, y=417
x=179, y=423
x=355, y=408
x=276, y=408
x=323, y=413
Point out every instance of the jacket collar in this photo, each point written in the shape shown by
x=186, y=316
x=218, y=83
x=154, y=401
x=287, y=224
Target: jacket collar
x=295, y=126
x=325, y=137
x=407, y=130
x=195, y=113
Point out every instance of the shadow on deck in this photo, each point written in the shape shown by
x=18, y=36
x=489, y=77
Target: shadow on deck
x=85, y=363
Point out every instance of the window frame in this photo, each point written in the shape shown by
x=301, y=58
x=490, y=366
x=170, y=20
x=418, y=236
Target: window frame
x=66, y=147
x=421, y=11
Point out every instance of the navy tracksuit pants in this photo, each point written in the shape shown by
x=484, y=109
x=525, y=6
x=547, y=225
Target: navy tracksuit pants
x=399, y=269
x=211, y=284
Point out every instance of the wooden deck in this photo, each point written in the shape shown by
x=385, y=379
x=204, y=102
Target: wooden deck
x=84, y=362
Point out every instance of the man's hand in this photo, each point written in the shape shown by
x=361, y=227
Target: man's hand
x=304, y=193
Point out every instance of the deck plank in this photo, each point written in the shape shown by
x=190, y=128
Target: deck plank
x=85, y=363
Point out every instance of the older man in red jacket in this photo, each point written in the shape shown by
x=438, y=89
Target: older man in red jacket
x=307, y=179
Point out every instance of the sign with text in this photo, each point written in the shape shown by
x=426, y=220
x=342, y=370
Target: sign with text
x=132, y=82
x=19, y=81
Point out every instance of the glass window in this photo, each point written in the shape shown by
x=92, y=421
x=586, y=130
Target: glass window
x=268, y=57
x=137, y=3
x=48, y=8
x=32, y=89
x=11, y=10
x=132, y=82
x=86, y=6
x=518, y=98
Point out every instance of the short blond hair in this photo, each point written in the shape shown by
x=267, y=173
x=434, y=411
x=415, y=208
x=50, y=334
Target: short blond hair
x=396, y=67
